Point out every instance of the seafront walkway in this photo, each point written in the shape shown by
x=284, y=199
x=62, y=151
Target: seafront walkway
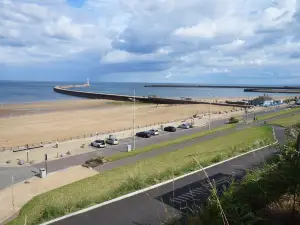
x=82, y=146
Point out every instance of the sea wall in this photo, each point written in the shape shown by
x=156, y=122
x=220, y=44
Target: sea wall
x=286, y=91
x=155, y=100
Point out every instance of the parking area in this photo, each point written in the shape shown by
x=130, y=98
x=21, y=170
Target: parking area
x=163, y=136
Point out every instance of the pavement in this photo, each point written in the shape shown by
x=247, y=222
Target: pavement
x=22, y=173
x=14, y=198
x=156, y=206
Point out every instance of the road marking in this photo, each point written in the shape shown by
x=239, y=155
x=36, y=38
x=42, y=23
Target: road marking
x=156, y=185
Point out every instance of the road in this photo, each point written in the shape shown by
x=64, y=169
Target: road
x=26, y=172
x=156, y=206
x=23, y=173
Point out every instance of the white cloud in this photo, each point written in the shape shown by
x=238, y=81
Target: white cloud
x=193, y=37
x=118, y=56
x=64, y=28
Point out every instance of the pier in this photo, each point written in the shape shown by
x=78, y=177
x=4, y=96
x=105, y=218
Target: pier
x=261, y=89
x=127, y=98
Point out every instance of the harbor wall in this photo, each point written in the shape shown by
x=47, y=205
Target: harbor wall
x=155, y=100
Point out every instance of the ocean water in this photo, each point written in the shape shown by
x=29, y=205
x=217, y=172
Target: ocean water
x=24, y=91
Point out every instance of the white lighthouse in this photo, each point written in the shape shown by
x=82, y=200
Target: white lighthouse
x=88, y=82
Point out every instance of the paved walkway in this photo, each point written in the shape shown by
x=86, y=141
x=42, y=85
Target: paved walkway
x=12, y=199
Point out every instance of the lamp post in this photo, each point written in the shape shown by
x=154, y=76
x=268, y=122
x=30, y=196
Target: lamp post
x=134, y=119
x=209, y=108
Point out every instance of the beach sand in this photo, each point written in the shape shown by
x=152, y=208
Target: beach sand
x=33, y=123
x=79, y=117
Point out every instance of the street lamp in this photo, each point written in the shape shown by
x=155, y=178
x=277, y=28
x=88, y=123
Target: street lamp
x=134, y=119
x=209, y=108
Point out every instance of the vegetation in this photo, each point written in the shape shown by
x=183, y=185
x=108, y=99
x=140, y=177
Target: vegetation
x=287, y=121
x=267, y=195
x=123, y=155
x=233, y=120
x=95, y=162
x=279, y=113
x=123, y=180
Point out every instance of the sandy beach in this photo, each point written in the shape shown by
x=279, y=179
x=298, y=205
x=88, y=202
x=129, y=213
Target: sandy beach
x=31, y=123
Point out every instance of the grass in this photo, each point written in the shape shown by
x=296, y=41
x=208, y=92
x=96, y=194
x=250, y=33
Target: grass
x=287, y=121
x=123, y=155
x=266, y=195
x=126, y=179
x=279, y=113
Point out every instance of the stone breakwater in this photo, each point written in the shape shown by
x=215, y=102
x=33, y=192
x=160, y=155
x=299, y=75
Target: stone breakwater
x=155, y=100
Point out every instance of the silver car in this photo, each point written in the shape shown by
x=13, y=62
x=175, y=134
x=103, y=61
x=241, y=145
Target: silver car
x=184, y=126
x=112, y=141
x=98, y=144
x=154, y=132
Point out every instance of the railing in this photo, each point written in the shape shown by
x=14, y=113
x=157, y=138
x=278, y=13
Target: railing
x=43, y=143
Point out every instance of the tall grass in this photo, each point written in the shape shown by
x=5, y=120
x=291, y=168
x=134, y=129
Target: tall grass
x=267, y=195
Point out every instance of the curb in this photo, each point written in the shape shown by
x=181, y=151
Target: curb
x=156, y=185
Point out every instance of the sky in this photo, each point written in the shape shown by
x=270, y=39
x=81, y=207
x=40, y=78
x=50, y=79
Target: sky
x=186, y=41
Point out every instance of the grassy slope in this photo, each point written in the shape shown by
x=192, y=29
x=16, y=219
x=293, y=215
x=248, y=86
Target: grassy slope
x=280, y=113
x=272, y=187
x=168, y=143
x=122, y=180
x=287, y=121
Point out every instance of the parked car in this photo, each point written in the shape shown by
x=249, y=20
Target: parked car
x=170, y=129
x=184, y=126
x=98, y=144
x=154, y=132
x=112, y=140
x=144, y=134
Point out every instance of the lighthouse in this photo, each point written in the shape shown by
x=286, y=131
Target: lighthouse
x=88, y=82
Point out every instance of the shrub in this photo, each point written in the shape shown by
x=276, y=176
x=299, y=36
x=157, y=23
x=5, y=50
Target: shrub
x=233, y=120
x=95, y=162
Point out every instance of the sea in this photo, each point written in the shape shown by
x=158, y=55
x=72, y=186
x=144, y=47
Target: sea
x=35, y=91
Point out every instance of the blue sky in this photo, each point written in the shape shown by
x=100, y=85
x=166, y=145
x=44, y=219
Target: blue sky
x=203, y=41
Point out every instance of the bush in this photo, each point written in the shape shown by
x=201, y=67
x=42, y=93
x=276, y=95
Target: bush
x=233, y=120
x=95, y=162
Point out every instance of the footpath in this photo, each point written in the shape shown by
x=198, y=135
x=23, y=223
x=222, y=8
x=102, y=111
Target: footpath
x=15, y=197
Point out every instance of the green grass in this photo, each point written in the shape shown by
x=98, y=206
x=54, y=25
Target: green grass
x=265, y=195
x=123, y=155
x=279, y=113
x=123, y=180
x=287, y=121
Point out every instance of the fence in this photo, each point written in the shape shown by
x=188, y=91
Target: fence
x=43, y=143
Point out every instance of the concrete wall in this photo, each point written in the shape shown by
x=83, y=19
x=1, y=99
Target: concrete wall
x=93, y=95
